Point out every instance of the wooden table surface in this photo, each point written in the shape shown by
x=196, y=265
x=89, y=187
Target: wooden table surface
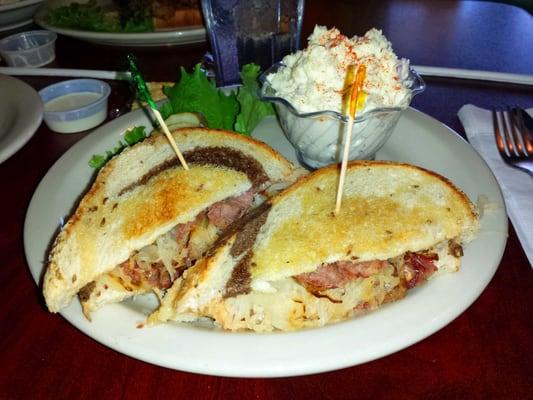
x=486, y=353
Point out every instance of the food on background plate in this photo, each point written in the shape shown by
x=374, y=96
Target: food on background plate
x=315, y=79
x=126, y=15
x=145, y=219
x=292, y=263
x=170, y=14
x=165, y=14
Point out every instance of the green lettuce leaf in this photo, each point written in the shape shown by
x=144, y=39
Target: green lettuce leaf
x=196, y=93
x=252, y=109
x=131, y=137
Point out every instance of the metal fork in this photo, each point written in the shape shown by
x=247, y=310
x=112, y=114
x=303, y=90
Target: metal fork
x=513, y=139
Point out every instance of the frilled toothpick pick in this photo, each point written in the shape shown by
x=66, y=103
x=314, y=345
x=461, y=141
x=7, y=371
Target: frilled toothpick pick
x=138, y=82
x=356, y=96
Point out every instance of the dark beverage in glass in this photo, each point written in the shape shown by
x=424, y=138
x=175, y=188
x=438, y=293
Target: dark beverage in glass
x=259, y=31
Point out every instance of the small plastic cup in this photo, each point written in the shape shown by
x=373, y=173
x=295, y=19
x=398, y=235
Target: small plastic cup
x=29, y=49
x=75, y=105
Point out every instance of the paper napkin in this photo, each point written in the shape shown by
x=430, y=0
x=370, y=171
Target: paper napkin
x=517, y=185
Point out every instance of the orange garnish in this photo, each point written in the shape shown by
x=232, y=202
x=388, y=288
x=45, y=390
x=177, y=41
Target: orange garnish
x=356, y=100
x=357, y=94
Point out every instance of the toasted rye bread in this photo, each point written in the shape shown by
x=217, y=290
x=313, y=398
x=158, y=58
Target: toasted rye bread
x=388, y=210
x=142, y=193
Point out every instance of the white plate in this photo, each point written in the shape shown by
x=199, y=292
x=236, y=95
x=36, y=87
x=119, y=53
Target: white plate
x=418, y=139
x=170, y=37
x=15, y=25
x=21, y=112
x=13, y=14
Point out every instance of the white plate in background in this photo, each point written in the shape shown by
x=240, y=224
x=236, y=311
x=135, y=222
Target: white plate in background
x=17, y=14
x=21, y=113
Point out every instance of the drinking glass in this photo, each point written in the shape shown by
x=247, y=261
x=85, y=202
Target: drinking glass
x=246, y=31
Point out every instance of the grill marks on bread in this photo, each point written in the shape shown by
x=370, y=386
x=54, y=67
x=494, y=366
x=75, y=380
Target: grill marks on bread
x=216, y=155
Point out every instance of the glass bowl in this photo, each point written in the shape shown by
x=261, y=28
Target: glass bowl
x=318, y=136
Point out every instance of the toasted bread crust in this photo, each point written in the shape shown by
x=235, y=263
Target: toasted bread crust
x=388, y=208
x=357, y=164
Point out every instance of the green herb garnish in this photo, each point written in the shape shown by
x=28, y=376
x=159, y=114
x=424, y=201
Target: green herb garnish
x=252, y=109
x=135, y=16
x=131, y=136
x=91, y=17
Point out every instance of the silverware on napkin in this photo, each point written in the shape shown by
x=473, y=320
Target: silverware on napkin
x=513, y=140
x=516, y=185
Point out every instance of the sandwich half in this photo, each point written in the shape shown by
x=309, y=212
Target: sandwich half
x=292, y=263
x=145, y=219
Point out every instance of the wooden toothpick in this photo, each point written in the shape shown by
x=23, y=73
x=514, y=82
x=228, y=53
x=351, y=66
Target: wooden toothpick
x=353, y=102
x=170, y=137
x=142, y=91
